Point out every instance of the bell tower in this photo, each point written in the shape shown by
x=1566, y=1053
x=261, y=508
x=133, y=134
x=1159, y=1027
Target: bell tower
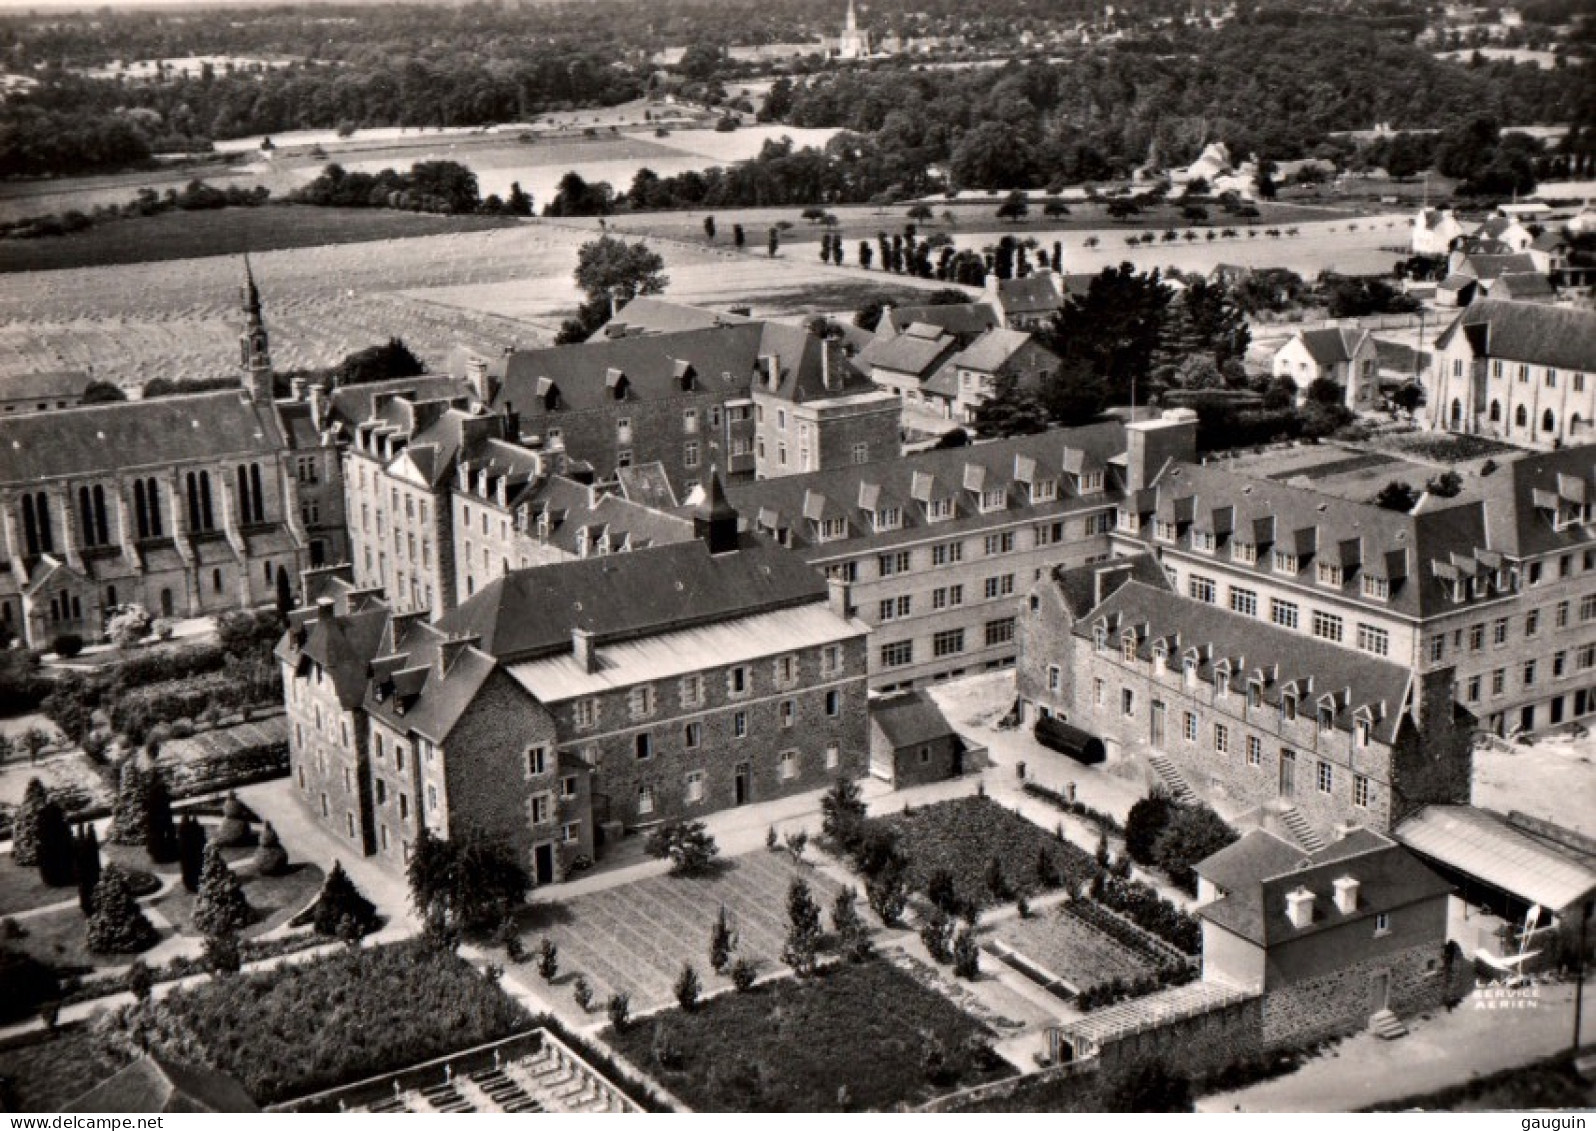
x=254, y=348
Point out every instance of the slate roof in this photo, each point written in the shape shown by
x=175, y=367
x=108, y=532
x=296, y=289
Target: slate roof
x=51, y=385
x=426, y=682
x=791, y=506
x=909, y=718
x=343, y=641
x=917, y=351
x=1079, y=587
x=808, y=363
x=1488, y=267
x=1403, y=548
x=1521, y=500
x=1036, y=293
x=95, y=439
x=962, y=320
x=992, y=350
x=1355, y=680
x=155, y=1084
x=1389, y=879
x=1558, y=336
x=530, y=612
x=351, y=404
x=1258, y=853
x=647, y=314
x=1530, y=285
x=578, y=515
x=1332, y=345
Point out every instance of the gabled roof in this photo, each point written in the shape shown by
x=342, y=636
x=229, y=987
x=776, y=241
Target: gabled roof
x=1036, y=293
x=917, y=351
x=1558, y=336
x=1487, y=267
x=48, y=385
x=533, y=611
x=647, y=314
x=1258, y=853
x=342, y=641
x=811, y=369
x=992, y=350
x=1083, y=587
x=909, y=718
x=1389, y=878
x=155, y=1084
x=1355, y=679
x=962, y=320
x=1333, y=345
x=1523, y=286
x=351, y=404
x=130, y=434
x=1520, y=502
x=1487, y=846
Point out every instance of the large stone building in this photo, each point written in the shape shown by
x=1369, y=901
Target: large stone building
x=189, y=505
x=757, y=399
x=1524, y=372
x=561, y=705
x=940, y=547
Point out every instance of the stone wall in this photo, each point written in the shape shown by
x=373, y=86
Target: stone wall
x=1341, y=1002
x=1194, y=1045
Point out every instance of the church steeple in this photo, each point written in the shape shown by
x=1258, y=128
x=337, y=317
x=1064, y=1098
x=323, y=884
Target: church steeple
x=253, y=344
x=853, y=19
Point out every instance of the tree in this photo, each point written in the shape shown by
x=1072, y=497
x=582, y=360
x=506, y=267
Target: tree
x=937, y=935
x=1148, y=1087
x=519, y=203
x=996, y=882
x=1280, y=394
x=1055, y=207
x=33, y=740
x=966, y=956
x=1011, y=411
x=86, y=864
x=739, y=237
x=853, y=937
x=842, y=811
x=160, y=831
x=709, y=228
x=686, y=844
x=619, y=1009
x=1112, y=330
x=1145, y=822
x=582, y=993
x=1325, y=391
x=270, y=857
x=25, y=831
x=377, y=363
x=102, y=392
x=942, y=892
x=772, y=243
x=129, y=818
x=803, y=930
x=126, y=625
x=220, y=906
x=466, y=881
x=338, y=902
x=1447, y=485
x=1194, y=833
x=118, y=925
x=1408, y=397
x=56, y=848
x=191, y=851
x=1015, y=207
x=1396, y=496
x=866, y=253
x=26, y=984
x=722, y=941
x=743, y=974
x=139, y=980
x=548, y=960
x=687, y=988
x=223, y=954
x=888, y=894
x=611, y=273
x=234, y=830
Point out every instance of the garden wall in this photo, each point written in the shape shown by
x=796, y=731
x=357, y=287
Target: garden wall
x=1193, y=1046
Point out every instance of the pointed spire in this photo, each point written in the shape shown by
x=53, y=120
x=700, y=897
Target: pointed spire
x=251, y=294
x=715, y=519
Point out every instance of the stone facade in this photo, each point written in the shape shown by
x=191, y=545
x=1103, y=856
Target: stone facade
x=797, y=436
x=1407, y=980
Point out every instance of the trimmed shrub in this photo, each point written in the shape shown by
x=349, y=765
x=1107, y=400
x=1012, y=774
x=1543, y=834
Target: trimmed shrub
x=86, y=863
x=234, y=831
x=270, y=858
x=25, y=985
x=25, y=833
x=56, y=849
x=67, y=645
x=687, y=988
x=118, y=925
x=129, y=812
x=338, y=902
x=191, y=851
x=221, y=906
x=160, y=839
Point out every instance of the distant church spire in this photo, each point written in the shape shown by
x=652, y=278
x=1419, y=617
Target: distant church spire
x=253, y=344
x=853, y=18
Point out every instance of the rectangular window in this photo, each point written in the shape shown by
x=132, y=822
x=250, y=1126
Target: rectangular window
x=787, y=765
x=1327, y=626
x=1476, y=637
x=1283, y=613
x=695, y=787
x=1529, y=673
x=586, y=713
x=1362, y=791
x=1532, y=622
x=999, y=632
x=1499, y=632
x=1243, y=601
x=939, y=510
x=789, y=712
x=1329, y=575
x=948, y=553
x=993, y=499
x=641, y=701
x=1375, y=641
x=692, y=735
x=833, y=704
x=1099, y=690
x=894, y=607
x=898, y=654
x=1327, y=778
x=1200, y=589
x=786, y=671
x=1472, y=692
x=1001, y=586
x=1376, y=588
x=537, y=761
x=1254, y=750
x=947, y=597
x=692, y=691
x=1188, y=726
x=1560, y=617
x=947, y=643
x=1002, y=543
x=861, y=453
x=1499, y=681
x=690, y=454
x=891, y=564
x=1382, y=921
x=1221, y=738
x=740, y=724
x=643, y=745
x=833, y=755
x=1055, y=677
x=645, y=800
x=737, y=680
x=542, y=808
x=1127, y=701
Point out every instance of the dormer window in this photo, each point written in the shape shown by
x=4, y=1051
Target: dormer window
x=1044, y=490
x=888, y=518
x=1254, y=693
x=939, y=510
x=1090, y=482
x=1190, y=670
x=1161, y=656
x=1477, y=585
x=1285, y=563
x=1244, y=552
x=1376, y=588
x=1568, y=514
x=832, y=529
x=1129, y=521
x=1361, y=729
x=1164, y=531
x=1327, y=718
x=1203, y=541
x=1329, y=575
x=1288, y=708
x=1127, y=649
x=1222, y=685
x=993, y=499
x=1100, y=637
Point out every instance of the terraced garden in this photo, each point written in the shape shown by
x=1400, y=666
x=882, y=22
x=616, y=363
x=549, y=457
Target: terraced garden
x=635, y=938
x=1065, y=946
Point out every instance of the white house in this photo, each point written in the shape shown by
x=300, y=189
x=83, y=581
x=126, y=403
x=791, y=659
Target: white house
x=1434, y=229
x=1346, y=355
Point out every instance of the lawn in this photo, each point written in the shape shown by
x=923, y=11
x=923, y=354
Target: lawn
x=854, y=1038
x=635, y=938
x=965, y=834
x=1070, y=949
x=300, y=1028
x=60, y=939
x=22, y=890
x=228, y=231
x=40, y=1073
x=1445, y=447
x=275, y=899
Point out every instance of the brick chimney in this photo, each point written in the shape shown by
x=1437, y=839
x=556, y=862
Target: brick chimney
x=1346, y=895
x=1149, y=444
x=582, y=650
x=1299, y=907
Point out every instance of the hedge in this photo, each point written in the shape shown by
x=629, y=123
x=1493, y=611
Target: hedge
x=140, y=709
x=227, y=770
x=1150, y=911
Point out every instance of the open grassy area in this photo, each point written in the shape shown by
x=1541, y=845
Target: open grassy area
x=275, y=899
x=854, y=1038
x=22, y=890
x=42, y=1073
x=299, y=1028
x=228, y=231
x=60, y=939
x=966, y=834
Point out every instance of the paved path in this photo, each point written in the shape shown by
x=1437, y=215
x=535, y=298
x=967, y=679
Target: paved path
x=1473, y=1040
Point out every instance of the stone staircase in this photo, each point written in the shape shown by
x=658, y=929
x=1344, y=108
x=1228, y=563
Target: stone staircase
x=1301, y=829
x=1171, y=779
x=1387, y=1026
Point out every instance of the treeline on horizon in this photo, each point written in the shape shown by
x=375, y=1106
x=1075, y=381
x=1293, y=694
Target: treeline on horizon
x=1276, y=85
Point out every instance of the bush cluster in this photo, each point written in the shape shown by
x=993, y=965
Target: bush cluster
x=1150, y=911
